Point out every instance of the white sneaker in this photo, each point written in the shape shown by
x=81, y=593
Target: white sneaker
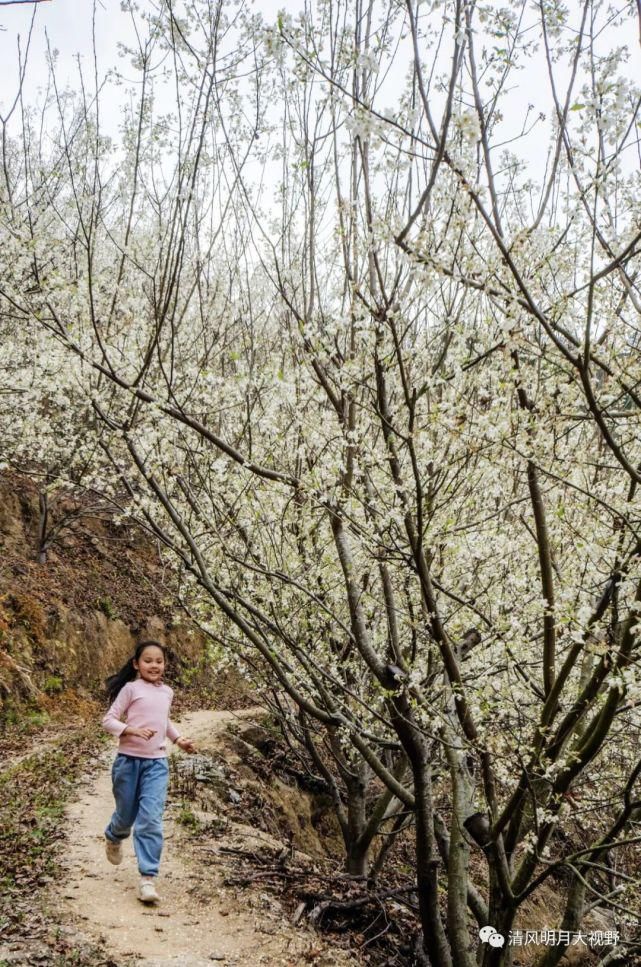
x=147, y=890
x=113, y=852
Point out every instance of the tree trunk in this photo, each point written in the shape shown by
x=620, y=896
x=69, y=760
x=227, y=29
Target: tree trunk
x=357, y=862
x=427, y=862
x=458, y=858
x=435, y=942
x=501, y=917
x=356, y=850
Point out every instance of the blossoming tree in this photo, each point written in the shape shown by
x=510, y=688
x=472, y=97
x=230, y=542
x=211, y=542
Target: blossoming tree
x=386, y=413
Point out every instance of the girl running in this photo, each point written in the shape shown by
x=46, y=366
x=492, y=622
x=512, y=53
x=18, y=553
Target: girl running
x=140, y=771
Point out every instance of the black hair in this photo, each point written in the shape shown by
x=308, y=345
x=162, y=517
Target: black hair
x=115, y=683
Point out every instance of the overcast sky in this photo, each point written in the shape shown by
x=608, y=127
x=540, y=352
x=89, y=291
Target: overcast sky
x=68, y=26
x=67, y=23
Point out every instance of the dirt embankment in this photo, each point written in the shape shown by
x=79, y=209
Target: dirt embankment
x=70, y=620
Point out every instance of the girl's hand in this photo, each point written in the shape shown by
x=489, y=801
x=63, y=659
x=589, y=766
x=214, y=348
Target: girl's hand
x=141, y=733
x=186, y=745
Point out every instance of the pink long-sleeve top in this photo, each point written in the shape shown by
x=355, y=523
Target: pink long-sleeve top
x=143, y=705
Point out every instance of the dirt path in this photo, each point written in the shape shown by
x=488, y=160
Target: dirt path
x=184, y=929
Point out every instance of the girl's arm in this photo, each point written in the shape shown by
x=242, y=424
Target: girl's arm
x=111, y=722
x=185, y=744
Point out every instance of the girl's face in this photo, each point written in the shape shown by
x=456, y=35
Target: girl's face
x=151, y=664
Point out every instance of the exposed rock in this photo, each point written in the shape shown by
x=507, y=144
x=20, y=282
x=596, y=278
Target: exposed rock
x=257, y=736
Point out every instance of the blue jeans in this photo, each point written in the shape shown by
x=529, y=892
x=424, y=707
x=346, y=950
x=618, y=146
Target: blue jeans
x=140, y=790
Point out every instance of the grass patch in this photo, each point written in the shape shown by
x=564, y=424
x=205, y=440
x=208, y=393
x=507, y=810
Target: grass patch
x=107, y=607
x=33, y=794
x=187, y=818
x=52, y=684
